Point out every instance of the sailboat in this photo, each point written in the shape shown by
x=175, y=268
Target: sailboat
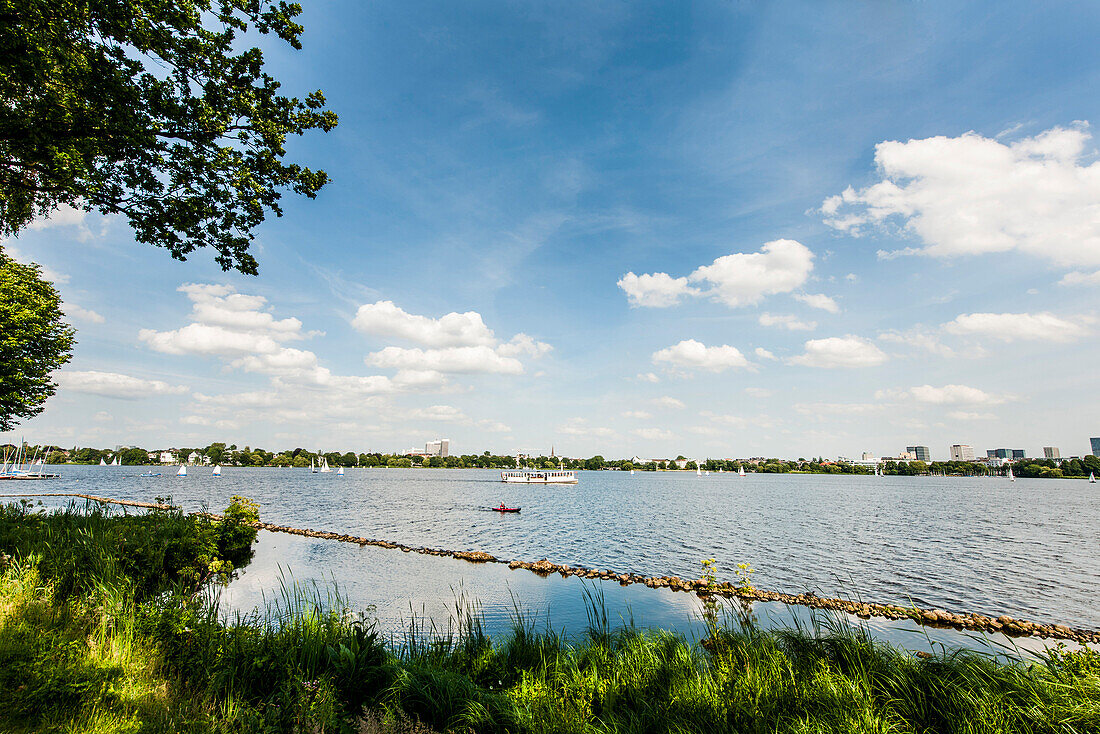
x=698, y=472
x=325, y=468
x=631, y=472
x=102, y=462
x=312, y=467
x=340, y=472
x=1011, y=478
x=1092, y=478
x=217, y=470
x=182, y=472
x=740, y=471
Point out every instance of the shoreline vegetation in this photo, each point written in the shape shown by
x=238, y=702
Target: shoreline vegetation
x=231, y=455
x=108, y=623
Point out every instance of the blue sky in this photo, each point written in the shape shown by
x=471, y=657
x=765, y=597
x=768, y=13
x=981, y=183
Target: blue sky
x=710, y=229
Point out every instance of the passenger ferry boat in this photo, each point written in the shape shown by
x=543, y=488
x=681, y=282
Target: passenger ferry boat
x=539, y=476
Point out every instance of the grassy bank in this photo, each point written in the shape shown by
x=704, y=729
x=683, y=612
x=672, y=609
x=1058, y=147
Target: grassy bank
x=106, y=624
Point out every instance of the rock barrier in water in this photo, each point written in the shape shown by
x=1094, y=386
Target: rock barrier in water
x=702, y=587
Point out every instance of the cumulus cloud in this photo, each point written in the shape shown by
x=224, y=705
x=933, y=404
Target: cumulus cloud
x=919, y=338
x=785, y=321
x=648, y=377
x=737, y=279
x=79, y=313
x=640, y=414
x=945, y=395
x=655, y=290
x=1010, y=327
x=972, y=195
x=444, y=413
x=667, y=401
x=522, y=344
x=818, y=300
x=652, y=434
x=693, y=354
x=384, y=318
x=1079, y=278
x=763, y=353
x=115, y=385
x=468, y=360
x=840, y=352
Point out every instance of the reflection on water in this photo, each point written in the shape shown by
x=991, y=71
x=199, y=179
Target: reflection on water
x=1026, y=548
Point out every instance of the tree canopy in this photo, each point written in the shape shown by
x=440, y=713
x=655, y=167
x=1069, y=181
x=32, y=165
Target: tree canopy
x=155, y=110
x=34, y=341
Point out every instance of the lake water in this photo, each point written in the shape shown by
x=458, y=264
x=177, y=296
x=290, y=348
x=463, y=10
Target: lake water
x=1029, y=549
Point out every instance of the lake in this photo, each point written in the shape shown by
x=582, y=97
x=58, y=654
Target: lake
x=1027, y=548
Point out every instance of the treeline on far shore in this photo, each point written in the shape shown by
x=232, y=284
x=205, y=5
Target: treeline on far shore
x=231, y=455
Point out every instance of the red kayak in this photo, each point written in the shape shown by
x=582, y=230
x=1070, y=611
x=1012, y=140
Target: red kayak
x=502, y=508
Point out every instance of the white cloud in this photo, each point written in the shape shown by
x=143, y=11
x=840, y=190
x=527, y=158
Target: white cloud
x=763, y=353
x=653, y=434
x=742, y=279
x=840, y=352
x=962, y=415
x=467, y=360
x=384, y=318
x=1079, y=278
x=648, y=377
x=786, y=321
x=115, y=385
x=667, y=401
x=494, y=426
x=1010, y=327
x=919, y=338
x=208, y=340
x=654, y=290
x=737, y=279
x=971, y=195
x=694, y=354
x=640, y=414
x=946, y=395
x=445, y=413
x=818, y=300
x=80, y=313
x=522, y=344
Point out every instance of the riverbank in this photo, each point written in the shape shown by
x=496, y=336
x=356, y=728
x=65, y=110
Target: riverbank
x=101, y=629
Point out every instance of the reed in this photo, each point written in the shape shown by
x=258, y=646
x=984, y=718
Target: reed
x=113, y=647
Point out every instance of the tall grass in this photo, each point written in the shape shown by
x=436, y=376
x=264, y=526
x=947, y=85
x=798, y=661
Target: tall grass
x=107, y=647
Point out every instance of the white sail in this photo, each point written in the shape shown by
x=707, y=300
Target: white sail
x=1010, y=475
x=102, y=462
x=217, y=470
x=1092, y=478
x=116, y=462
x=740, y=471
x=698, y=471
x=182, y=472
x=325, y=468
x=312, y=467
x=340, y=472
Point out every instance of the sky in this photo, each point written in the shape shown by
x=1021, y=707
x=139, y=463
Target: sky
x=715, y=229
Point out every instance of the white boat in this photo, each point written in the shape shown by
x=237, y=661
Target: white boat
x=325, y=468
x=102, y=462
x=740, y=471
x=631, y=472
x=340, y=472
x=182, y=472
x=312, y=467
x=532, y=476
x=116, y=462
x=1092, y=478
x=698, y=471
x=217, y=470
x=1011, y=478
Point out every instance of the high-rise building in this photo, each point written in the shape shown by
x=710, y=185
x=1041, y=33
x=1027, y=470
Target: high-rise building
x=1051, y=452
x=920, y=453
x=442, y=447
x=1018, y=454
x=1095, y=446
x=962, y=452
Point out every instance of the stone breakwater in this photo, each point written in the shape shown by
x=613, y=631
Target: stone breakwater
x=703, y=588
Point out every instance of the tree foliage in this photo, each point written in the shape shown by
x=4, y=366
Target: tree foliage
x=156, y=110
x=34, y=341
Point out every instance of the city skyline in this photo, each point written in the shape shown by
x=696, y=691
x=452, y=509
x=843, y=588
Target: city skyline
x=560, y=226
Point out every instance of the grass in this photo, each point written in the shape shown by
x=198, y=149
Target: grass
x=114, y=630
